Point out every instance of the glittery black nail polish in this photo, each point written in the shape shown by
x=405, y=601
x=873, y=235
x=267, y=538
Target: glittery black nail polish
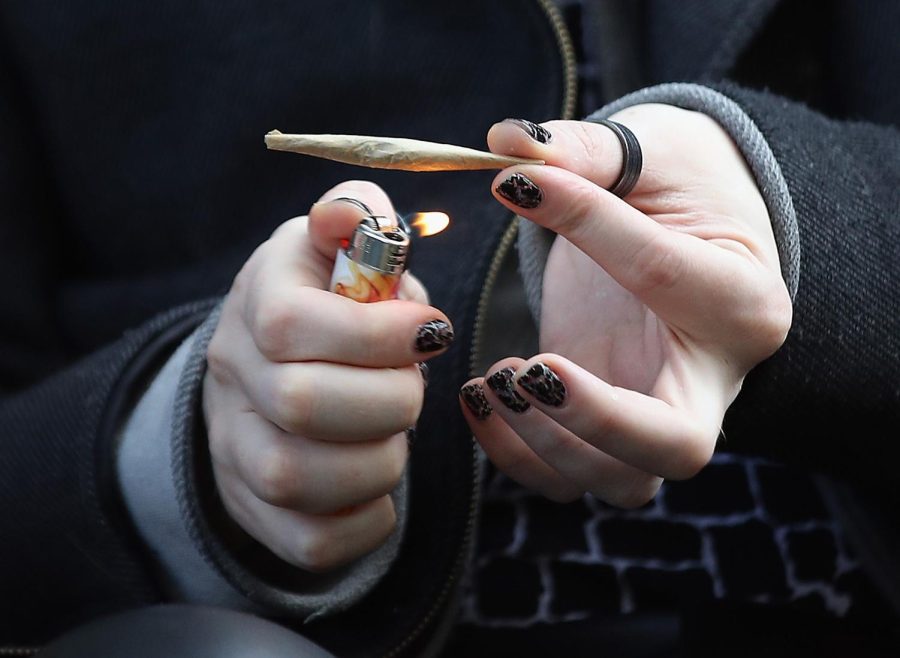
x=433, y=336
x=501, y=383
x=424, y=370
x=543, y=384
x=473, y=396
x=536, y=131
x=518, y=189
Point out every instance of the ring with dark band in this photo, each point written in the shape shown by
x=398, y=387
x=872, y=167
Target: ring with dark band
x=632, y=159
x=356, y=202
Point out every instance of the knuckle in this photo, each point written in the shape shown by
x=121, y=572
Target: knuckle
x=279, y=477
x=389, y=519
x=555, y=449
x=411, y=407
x=582, y=202
x=603, y=423
x=514, y=463
x=409, y=400
x=274, y=323
x=315, y=551
x=396, y=462
x=218, y=357
x=293, y=401
x=692, y=457
x=760, y=328
x=218, y=439
x=775, y=319
x=658, y=264
x=384, y=521
x=588, y=136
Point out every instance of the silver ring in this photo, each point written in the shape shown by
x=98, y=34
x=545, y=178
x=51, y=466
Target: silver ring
x=632, y=159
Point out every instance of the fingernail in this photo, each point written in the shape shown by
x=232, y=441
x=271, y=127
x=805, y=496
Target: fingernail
x=411, y=436
x=433, y=336
x=518, y=189
x=473, y=396
x=423, y=370
x=501, y=383
x=536, y=131
x=543, y=384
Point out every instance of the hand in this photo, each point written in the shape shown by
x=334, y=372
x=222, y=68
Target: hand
x=308, y=394
x=654, y=308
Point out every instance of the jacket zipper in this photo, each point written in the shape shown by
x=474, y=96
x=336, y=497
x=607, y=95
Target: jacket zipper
x=570, y=92
x=570, y=95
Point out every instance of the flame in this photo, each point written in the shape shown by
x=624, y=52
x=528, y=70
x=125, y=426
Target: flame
x=429, y=223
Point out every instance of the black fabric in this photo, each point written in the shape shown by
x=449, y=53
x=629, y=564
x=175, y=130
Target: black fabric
x=701, y=39
x=133, y=179
x=64, y=557
x=829, y=398
x=182, y=631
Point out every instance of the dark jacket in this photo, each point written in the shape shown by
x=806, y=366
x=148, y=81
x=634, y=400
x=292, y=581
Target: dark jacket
x=134, y=182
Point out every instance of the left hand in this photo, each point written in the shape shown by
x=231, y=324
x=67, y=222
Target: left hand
x=654, y=308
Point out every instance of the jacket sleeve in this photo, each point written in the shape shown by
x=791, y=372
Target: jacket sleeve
x=831, y=396
x=71, y=548
x=67, y=552
x=832, y=189
x=165, y=476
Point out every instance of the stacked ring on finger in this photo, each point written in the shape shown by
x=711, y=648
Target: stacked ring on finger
x=632, y=158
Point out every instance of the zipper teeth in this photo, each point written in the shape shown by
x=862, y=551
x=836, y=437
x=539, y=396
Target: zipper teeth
x=570, y=94
x=509, y=236
x=567, y=50
x=458, y=565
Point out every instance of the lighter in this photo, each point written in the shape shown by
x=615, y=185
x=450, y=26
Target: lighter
x=369, y=265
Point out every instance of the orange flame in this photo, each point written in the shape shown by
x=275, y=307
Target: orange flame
x=429, y=223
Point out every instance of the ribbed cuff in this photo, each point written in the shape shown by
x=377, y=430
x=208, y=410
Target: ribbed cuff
x=535, y=242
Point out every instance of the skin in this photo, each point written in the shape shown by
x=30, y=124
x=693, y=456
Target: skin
x=654, y=307
x=293, y=370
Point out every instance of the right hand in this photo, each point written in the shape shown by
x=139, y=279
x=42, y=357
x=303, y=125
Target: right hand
x=308, y=394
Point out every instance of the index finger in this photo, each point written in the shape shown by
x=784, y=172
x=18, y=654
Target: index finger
x=673, y=441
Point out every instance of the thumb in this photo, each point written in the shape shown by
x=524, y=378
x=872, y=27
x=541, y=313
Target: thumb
x=338, y=212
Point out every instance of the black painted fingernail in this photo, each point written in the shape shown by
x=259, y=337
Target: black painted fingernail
x=536, y=131
x=543, y=384
x=519, y=189
x=423, y=370
x=473, y=396
x=411, y=437
x=501, y=383
x=433, y=336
